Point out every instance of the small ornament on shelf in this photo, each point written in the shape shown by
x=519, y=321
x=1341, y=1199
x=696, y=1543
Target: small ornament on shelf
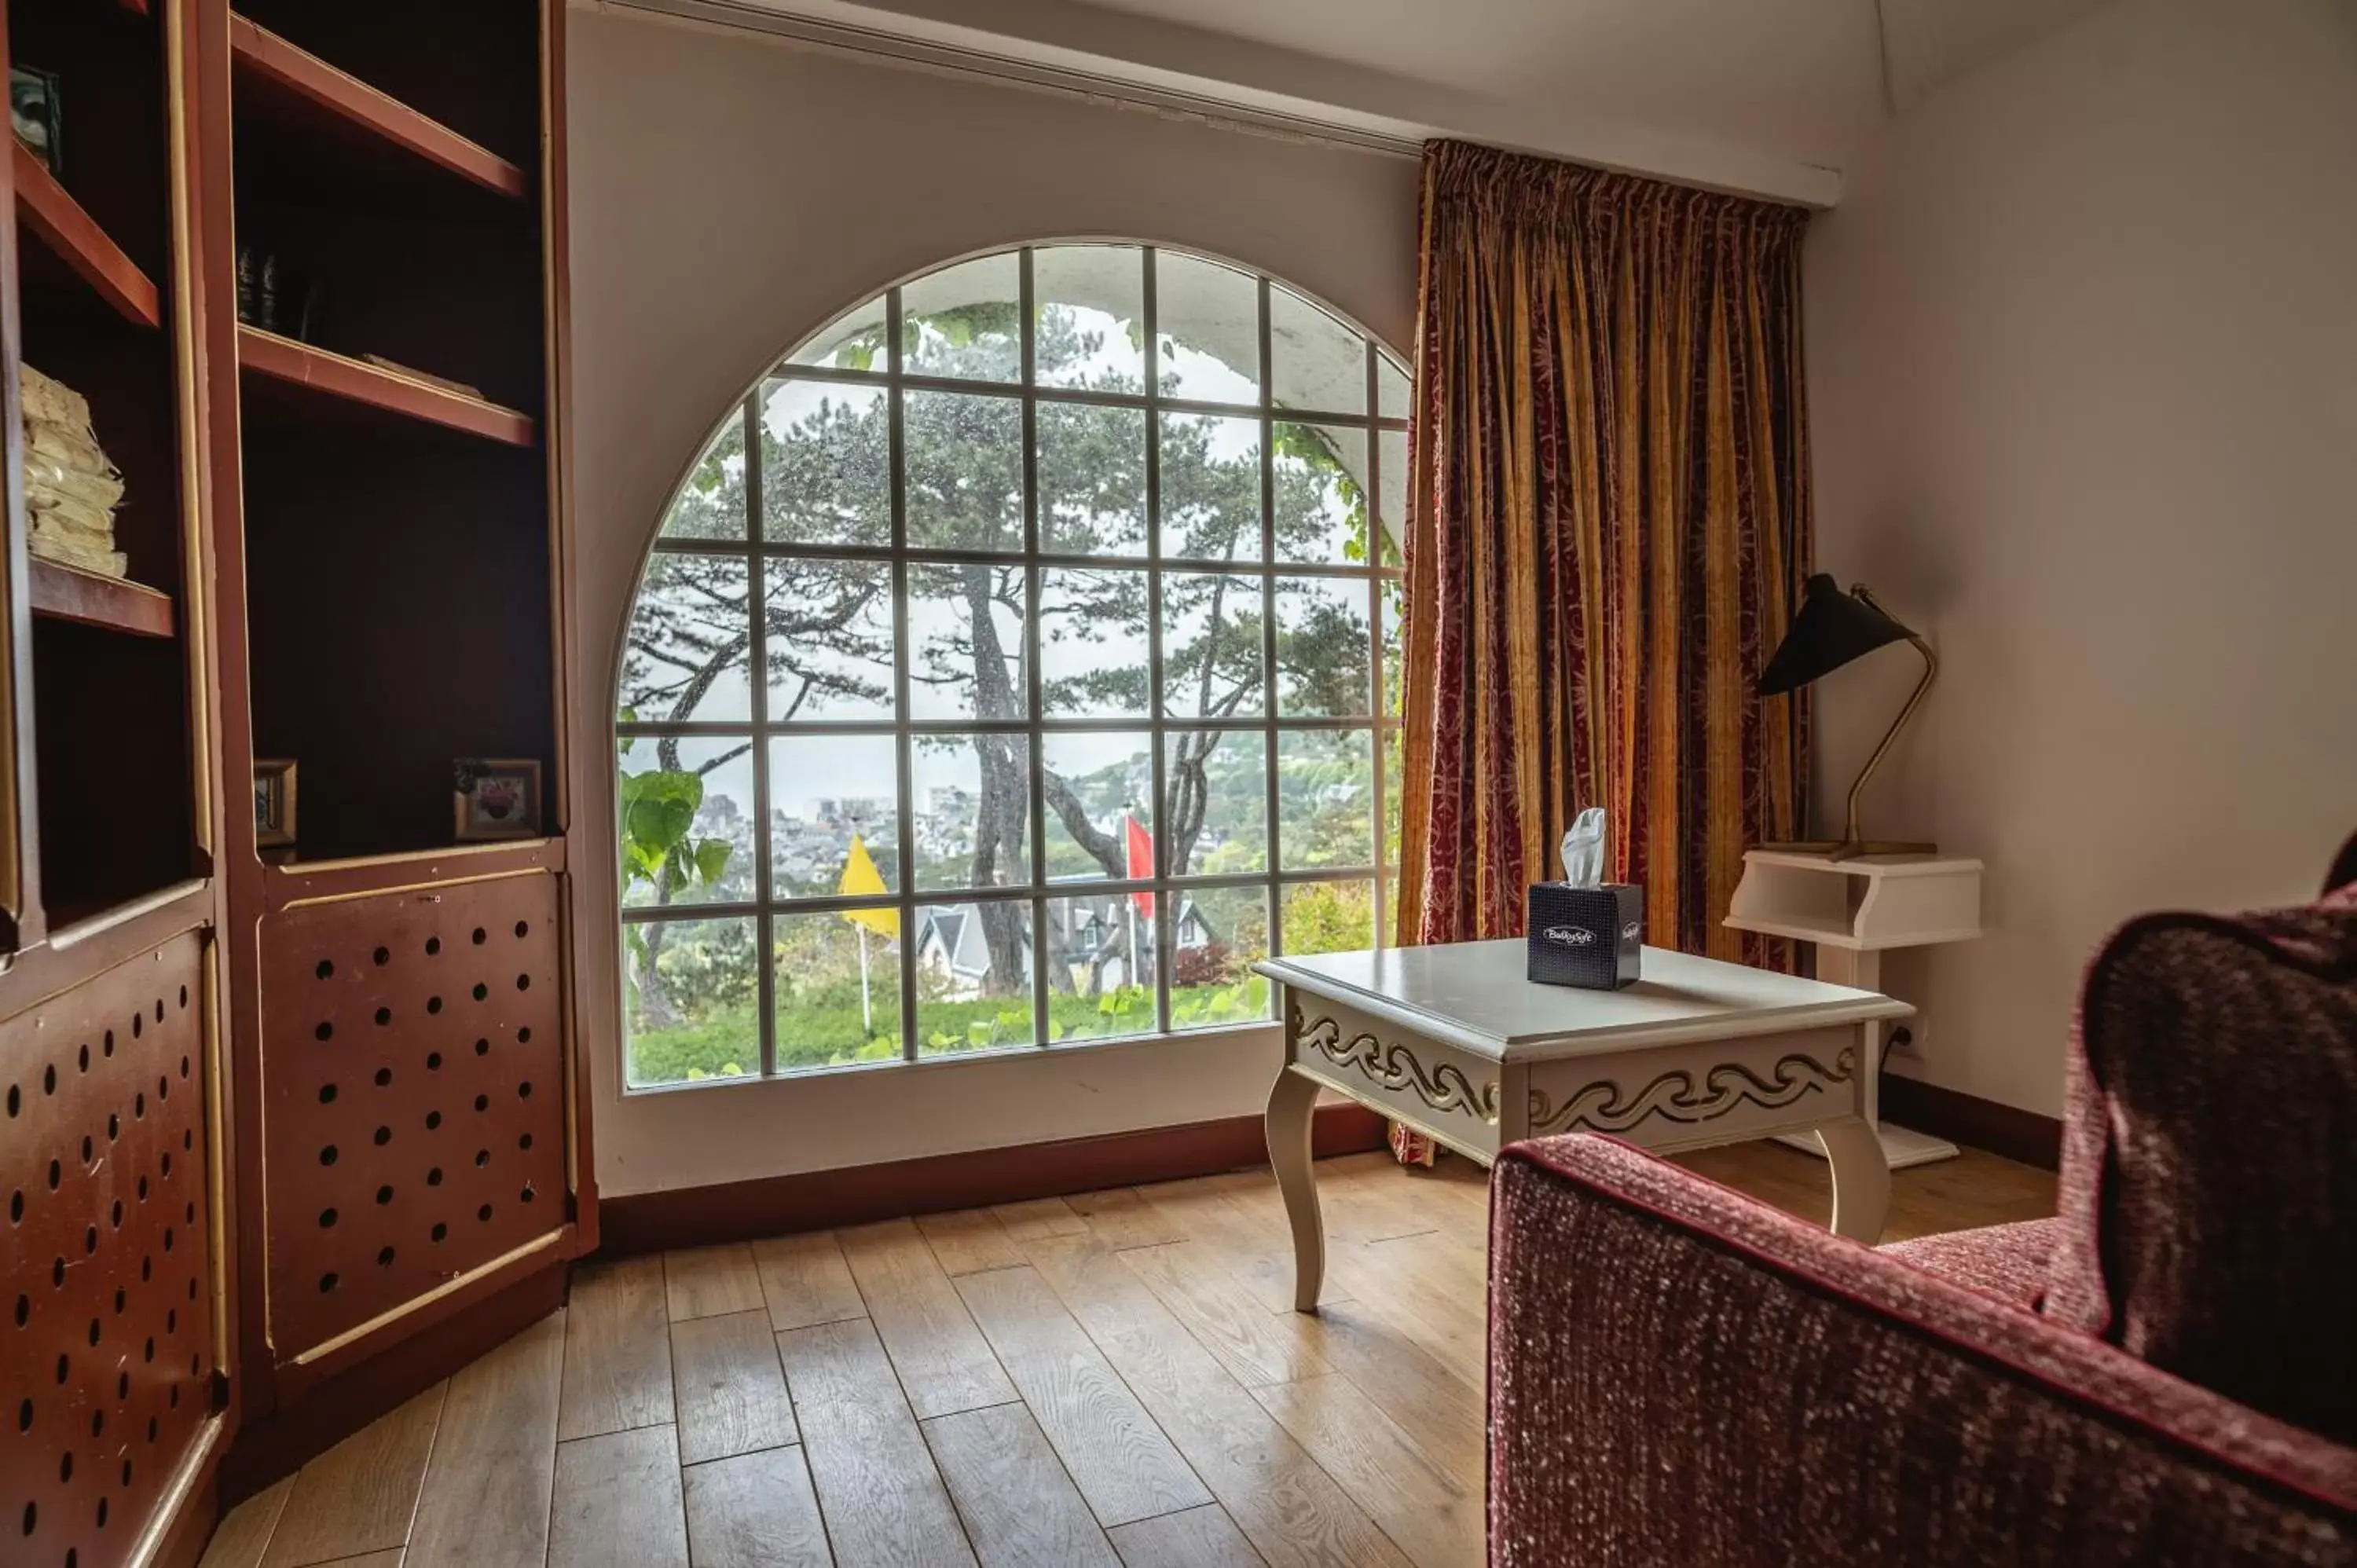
x=70, y=487
x=273, y=806
x=34, y=115
x=496, y=798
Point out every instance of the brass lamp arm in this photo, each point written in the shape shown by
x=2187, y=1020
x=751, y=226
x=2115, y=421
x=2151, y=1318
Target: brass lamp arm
x=1850, y=833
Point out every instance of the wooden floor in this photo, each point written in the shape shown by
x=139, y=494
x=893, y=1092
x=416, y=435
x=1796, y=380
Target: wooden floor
x=1107, y=1380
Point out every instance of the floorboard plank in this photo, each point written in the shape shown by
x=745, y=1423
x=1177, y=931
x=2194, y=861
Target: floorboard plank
x=617, y=1351
x=486, y=1496
x=805, y=1281
x=1200, y=1538
x=1406, y=1382
x=359, y=1496
x=939, y=1353
x=1258, y=1254
x=756, y=1511
x=708, y=1282
x=243, y=1534
x=731, y=1391
x=1122, y=1462
x=1427, y=1511
x=1291, y=1511
x=1120, y=1218
x=618, y=1503
x=1041, y=1217
x=1021, y=1510
x=969, y=1241
x=1256, y=1345
x=882, y=1500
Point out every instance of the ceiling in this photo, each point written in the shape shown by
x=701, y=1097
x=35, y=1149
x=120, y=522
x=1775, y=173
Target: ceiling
x=1774, y=96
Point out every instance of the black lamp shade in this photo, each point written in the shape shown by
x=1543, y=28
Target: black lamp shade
x=1831, y=628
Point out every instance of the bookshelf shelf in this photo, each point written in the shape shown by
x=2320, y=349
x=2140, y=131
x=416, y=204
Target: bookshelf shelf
x=356, y=381
x=304, y=97
x=58, y=221
x=66, y=592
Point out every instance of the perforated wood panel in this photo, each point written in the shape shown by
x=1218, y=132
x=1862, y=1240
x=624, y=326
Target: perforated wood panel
x=106, y=1350
x=414, y=1115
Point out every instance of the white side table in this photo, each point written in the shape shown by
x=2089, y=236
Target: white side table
x=1853, y=911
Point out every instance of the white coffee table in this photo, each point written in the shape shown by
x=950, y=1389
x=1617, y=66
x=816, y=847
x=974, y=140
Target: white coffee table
x=1455, y=1042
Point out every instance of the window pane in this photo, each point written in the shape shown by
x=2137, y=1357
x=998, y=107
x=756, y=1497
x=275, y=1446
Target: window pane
x=689, y=990
x=1321, y=496
x=1217, y=934
x=1325, y=799
x=1215, y=789
x=688, y=655
x=830, y=640
x=1392, y=388
x=1100, y=967
x=711, y=503
x=973, y=976
x=837, y=985
x=1096, y=661
x=1315, y=361
x=1108, y=780
x=965, y=321
x=851, y=341
x=1393, y=741
x=966, y=631
x=972, y=811
x=834, y=815
x=1392, y=593
x=687, y=819
x=1210, y=488
x=1328, y=916
x=1387, y=933
x=1091, y=480
x=1322, y=647
x=1390, y=507
x=825, y=464
x=1211, y=653
x=965, y=455
x=1206, y=331
x=1091, y=301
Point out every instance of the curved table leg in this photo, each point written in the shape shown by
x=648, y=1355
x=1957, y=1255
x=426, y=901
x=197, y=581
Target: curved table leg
x=1861, y=1178
x=1290, y=1101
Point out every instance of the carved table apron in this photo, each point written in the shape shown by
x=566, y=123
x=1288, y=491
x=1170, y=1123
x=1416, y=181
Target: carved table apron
x=1455, y=1042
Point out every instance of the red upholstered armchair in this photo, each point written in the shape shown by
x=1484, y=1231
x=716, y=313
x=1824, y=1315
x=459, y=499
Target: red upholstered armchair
x=1681, y=1377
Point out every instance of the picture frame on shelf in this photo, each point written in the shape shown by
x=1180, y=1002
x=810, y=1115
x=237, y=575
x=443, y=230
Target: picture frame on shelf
x=274, y=802
x=35, y=117
x=495, y=797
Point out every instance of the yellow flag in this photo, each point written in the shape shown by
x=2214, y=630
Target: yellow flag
x=860, y=876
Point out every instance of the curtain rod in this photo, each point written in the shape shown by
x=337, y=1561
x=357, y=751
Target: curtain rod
x=954, y=60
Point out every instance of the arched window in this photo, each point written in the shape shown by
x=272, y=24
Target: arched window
x=1036, y=653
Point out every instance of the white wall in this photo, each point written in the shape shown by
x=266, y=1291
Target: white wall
x=731, y=194
x=2084, y=374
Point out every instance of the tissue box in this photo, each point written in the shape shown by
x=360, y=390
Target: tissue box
x=1591, y=937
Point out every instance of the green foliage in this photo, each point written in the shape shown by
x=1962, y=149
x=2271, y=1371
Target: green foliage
x=658, y=809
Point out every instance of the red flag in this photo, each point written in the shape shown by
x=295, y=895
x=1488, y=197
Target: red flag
x=1141, y=862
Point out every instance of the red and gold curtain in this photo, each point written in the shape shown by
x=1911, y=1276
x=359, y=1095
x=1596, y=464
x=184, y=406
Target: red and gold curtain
x=1610, y=521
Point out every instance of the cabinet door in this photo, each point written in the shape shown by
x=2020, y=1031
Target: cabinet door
x=107, y=1275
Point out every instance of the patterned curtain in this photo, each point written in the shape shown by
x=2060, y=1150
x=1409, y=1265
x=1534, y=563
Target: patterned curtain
x=1610, y=521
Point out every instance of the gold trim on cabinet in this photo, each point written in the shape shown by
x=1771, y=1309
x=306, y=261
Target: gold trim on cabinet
x=457, y=1282
x=1677, y=1096
x=1394, y=1067
x=195, y=553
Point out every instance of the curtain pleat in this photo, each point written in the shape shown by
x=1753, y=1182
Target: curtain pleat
x=1608, y=524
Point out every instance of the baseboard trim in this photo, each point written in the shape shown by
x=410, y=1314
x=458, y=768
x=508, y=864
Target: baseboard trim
x=1967, y=1119
x=336, y=1407
x=814, y=1200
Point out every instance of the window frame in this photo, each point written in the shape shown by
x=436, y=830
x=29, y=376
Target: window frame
x=1380, y=724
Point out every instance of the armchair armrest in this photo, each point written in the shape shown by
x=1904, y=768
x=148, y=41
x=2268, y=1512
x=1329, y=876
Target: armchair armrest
x=1681, y=1376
